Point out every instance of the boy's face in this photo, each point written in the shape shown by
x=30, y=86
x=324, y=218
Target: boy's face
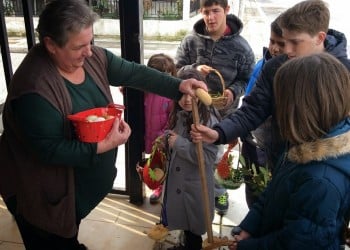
x=302, y=44
x=215, y=19
x=276, y=45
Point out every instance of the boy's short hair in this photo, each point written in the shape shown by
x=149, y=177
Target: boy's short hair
x=310, y=16
x=208, y=3
x=275, y=28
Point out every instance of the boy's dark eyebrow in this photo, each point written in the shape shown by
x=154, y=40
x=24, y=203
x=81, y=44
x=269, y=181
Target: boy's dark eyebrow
x=294, y=40
x=214, y=9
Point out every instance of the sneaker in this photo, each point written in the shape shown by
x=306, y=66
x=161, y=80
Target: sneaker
x=221, y=204
x=236, y=230
x=155, y=196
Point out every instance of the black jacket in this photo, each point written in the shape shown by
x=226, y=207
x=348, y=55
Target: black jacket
x=259, y=105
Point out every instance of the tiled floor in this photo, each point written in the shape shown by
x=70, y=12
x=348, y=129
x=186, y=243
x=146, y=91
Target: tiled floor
x=117, y=224
x=114, y=224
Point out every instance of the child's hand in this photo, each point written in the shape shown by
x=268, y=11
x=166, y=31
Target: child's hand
x=171, y=139
x=203, y=133
x=161, y=142
x=233, y=246
x=242, y=236
x=139, y=171
x=230, y=97
x=204, y=69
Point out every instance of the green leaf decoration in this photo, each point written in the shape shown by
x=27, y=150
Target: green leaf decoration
x=152, y=174
x=257, y=176
x=242, y=161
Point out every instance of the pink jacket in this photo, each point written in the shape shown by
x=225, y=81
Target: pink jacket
x=157, y=110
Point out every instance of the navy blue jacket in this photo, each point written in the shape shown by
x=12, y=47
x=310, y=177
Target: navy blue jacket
x=305, y=205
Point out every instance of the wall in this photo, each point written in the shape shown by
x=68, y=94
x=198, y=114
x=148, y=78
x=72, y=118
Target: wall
x=110, y=27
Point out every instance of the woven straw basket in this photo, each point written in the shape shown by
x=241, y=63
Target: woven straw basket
x=219, y=100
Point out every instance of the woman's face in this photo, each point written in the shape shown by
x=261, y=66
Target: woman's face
x=186, y=102
x=72, y=55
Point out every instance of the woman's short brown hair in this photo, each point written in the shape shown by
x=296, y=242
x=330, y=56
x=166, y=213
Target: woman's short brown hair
x=61, y=18
x=312, y=94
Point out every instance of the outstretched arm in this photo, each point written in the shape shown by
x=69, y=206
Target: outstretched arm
x=256, y=107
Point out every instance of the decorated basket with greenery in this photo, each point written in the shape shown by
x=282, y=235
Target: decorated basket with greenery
x=152, y=171
x=226, y=174
x=231, y=177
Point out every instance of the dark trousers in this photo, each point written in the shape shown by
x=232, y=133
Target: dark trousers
x=37, y=239
x=192, y=241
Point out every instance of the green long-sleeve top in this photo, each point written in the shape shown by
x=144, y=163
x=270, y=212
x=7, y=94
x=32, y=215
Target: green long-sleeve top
x=42, y=125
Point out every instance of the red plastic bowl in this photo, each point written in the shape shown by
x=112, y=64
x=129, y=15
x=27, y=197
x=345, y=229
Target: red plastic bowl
x=95, y=131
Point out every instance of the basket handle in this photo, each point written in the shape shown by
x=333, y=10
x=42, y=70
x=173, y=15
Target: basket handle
x=221, y=79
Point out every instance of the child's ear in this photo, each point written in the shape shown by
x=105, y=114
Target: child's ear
x=321, y=37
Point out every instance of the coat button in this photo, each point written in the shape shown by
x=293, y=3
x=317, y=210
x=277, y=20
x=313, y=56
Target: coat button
x=177, y=169
x=178, y=191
